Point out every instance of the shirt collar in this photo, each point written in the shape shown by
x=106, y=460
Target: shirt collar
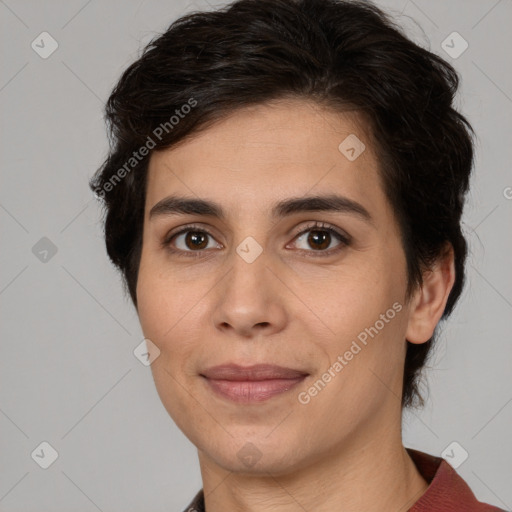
x=446, y=489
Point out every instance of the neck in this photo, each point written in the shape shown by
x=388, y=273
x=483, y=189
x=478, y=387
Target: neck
x=374, y=475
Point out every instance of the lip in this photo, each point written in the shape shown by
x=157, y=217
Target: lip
x=247, y=384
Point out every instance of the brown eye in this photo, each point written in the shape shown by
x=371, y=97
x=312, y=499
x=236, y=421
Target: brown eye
x=188, y=241
x=319, y=238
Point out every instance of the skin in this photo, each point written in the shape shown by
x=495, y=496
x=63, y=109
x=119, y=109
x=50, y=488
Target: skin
x=342, y=450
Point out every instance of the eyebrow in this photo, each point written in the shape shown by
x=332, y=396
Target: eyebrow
x=176, y=205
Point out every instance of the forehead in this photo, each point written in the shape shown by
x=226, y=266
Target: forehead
x=258, y=155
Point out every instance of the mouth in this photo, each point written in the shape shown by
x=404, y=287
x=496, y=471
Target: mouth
x=250, y=384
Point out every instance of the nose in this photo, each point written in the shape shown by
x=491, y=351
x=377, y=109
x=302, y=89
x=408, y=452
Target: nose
x=250, y=300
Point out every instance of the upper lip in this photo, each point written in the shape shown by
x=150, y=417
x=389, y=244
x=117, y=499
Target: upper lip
x=251, y=373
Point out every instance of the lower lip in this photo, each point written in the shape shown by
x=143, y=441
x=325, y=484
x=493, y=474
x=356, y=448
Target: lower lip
x=252, y=391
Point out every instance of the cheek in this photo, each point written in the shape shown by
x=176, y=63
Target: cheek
x=158, y=312
x=366, y=315
x=160, y=301
x=162, y=311
x=351, y=299
x=363, y=372
x=169, y=312
x=150, y=308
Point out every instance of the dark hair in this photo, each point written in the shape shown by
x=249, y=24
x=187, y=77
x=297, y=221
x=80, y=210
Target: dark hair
x=341, y=54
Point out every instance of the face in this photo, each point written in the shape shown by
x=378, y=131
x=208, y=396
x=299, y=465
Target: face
x=318, y=288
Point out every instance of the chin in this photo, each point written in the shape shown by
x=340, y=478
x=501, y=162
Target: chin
x=258, y=456
x=267, y=464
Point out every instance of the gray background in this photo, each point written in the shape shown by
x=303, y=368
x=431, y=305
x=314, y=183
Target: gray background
x=69, y=376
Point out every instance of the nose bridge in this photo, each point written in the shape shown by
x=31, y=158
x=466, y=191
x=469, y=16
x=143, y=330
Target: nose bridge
x=249, y=262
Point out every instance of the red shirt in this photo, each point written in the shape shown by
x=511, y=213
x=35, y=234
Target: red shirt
x=447, y=491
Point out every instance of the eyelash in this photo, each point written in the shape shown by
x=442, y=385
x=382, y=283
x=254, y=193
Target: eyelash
x=344, y=240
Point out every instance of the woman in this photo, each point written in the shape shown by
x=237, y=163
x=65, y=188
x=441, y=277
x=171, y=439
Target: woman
x=283, y=196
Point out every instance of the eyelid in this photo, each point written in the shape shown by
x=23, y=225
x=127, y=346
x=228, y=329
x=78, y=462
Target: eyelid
x=319, y=225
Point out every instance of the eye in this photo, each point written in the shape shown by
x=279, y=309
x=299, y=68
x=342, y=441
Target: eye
x=319, y=238
x=191, y=239
x=194, y=240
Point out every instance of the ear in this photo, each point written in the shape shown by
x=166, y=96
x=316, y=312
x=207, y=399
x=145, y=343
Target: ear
x=429, y=300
